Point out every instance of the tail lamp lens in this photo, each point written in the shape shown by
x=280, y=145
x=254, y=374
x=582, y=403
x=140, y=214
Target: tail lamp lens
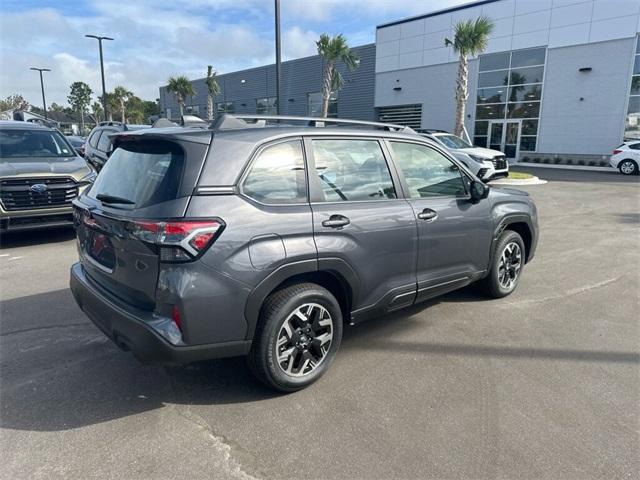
x=178, y=241
x=175, y=316
x=615, y=152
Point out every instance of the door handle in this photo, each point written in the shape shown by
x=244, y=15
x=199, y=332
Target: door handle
x=428, y=214
x=336, y=221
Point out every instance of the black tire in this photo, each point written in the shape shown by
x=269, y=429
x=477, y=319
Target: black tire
x=492, y=284
x=277, y=309
x=628, y=163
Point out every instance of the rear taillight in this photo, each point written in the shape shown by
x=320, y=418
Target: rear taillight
x=615, y=152
x=175, y=316
x=178, y=241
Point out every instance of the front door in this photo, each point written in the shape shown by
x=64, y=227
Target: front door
x=454, y=233
x=504, y=135
x=360, y=219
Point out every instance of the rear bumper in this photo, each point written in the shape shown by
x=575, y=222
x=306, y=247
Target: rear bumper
x=128, y=327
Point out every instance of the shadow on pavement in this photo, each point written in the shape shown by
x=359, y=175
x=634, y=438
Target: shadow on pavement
x=59, y=372
x=36, y=237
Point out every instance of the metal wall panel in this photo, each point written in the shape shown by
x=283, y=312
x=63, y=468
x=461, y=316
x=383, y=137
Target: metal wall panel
x=299, y=78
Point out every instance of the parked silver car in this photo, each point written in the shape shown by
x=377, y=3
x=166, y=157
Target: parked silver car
x=485, y=163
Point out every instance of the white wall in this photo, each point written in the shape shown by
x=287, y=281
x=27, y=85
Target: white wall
x=517, y=24
x=433, y=87
x=595, y=124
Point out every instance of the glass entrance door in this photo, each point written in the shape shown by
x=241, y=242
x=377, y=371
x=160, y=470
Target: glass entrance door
x=504, y=135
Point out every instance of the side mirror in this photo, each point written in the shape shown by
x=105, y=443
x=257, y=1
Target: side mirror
x=478, y=191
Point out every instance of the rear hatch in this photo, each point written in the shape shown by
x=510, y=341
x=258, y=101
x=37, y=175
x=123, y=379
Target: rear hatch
x=148, y=179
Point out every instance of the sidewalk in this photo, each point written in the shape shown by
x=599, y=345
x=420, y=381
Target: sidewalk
x=564, y=167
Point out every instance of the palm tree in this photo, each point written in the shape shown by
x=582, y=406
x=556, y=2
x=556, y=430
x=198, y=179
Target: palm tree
x=97, y=111
x=120, y=96
x=181, y=87
x=332, y=50
x=213, y=89
x=471, y=38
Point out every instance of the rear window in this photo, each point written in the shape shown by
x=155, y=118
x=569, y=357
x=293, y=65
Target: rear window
x=103, y=144
x=16, y=144
x=143, y=173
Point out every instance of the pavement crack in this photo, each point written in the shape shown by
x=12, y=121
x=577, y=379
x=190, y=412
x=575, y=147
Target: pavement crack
x=569, y=293
x=232, y=467
x=46, y=327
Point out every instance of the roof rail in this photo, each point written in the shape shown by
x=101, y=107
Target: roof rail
x=229, y=122
x=109, y=123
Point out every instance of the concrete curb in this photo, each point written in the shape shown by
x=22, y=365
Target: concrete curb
x=522, y=181
x=564, y=167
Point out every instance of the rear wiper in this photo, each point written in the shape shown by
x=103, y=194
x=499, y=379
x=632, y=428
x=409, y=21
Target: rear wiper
x=106, y=198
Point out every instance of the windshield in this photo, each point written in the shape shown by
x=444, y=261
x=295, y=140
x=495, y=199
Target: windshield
x=451, y=141
x=26, y=144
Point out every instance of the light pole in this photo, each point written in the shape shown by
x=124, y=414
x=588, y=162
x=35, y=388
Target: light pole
x=44, y=103
x=104, y=91
x=278, y=66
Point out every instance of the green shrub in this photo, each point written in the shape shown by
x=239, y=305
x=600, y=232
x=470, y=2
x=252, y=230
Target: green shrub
x=546, y=160
x=535, y=160
x=592, y=163
x=580, y=162
x=525, y=159
x=569, y=161
x=604, y=163
x=557, y=160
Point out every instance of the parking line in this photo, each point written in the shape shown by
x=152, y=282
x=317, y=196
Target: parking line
x=15, y=258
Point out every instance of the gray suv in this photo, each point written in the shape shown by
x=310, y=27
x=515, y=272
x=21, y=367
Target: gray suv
x=249, y=238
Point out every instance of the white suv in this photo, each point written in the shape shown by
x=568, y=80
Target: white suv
x=486, y=164
x=626, y=157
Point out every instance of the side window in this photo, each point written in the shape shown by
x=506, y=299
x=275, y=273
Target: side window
x=93, y=141
x=349, y=170
x=103, y=144
x=278, y=175
x=635, y=146
x=428, y=173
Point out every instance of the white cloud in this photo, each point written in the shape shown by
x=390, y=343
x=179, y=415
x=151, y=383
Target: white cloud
x=154, y=40
x=297, y=43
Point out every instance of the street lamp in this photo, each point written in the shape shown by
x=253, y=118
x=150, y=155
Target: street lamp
x=278, y=62
x=44, y=103
x=104, y=92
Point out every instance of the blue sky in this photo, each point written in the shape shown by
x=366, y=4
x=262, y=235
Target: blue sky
x=157, y=39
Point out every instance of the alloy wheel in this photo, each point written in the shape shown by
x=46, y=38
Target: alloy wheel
x=627, y=167
x=510, y=265
x=304, y=339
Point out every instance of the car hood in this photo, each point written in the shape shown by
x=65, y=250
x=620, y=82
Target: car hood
x=508, y=191
x=482, y=152
x=45, y=166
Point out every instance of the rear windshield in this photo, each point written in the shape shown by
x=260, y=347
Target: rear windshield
x=142, y=173
x=22, y=145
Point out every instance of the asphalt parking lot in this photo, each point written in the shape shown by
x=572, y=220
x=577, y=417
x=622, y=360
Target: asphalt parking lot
x=544, y=384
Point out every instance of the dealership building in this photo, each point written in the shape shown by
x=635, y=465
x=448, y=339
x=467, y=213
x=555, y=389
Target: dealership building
x=558, y=77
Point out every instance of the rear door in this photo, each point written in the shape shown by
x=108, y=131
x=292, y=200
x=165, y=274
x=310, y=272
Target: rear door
x=144, y=181
x=455, y=234
x=360, y=218
x=100, y=153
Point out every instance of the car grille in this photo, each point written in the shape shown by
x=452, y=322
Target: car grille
x=499, y=163
x=16, y=193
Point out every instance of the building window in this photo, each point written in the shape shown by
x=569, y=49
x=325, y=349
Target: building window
x=192, y=109
x=510, y=87
x=632, y=123
x=267, y=106
x=314, y=104
x=225, y=107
